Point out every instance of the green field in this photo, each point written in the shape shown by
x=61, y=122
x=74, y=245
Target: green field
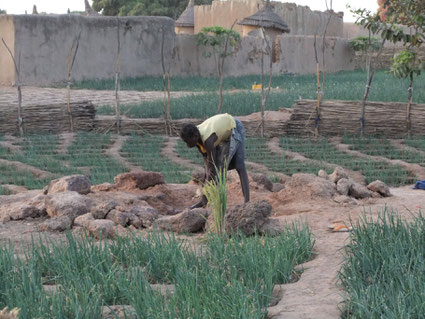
x=384, y=271
x=238, y=274
x=286, y=90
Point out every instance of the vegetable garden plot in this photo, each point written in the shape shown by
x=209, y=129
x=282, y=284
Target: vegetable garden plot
x=257, y=151
x=191, y=154
x=382, y=147
x=86, y=154
x=145, y=151
x=238, y=274
x=416, y=143
x=384, y=271
x=372, y=170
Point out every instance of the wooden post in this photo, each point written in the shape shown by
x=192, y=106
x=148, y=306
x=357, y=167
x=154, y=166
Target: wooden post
x=409, y=105
x=117, y=80
x=71, y=60
x=264, y=97
x=17, y=70
x=318, y=92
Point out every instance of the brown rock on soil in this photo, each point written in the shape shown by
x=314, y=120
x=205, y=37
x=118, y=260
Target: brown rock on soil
x=105, y=187
x=337, y=174
x=118, y=217
x=83, y=220
x=263, y=180
x=188, y=221
x=101, y=210
x=343, y=186
x=59, y=223
x=147, y=215
x=76, y=183
x=69, y=204
x=359, y=191
x=312, y=185
x=138, y=179
x=380, y=187
x=247, y=218
x=101, y=228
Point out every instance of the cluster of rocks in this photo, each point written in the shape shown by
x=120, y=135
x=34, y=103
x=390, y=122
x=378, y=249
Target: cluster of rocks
x=102, y=210
x=348, y=190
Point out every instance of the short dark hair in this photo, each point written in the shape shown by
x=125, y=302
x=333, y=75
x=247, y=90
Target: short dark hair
x=188, y=131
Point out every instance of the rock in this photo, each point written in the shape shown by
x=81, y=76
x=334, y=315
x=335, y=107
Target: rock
x=146, y=214
x=59, y=223
x=272, y=227
x=83, y=220
x=359, y=191
x=312, y=185
x=343, y=186
x=247, y=218
x=70, y=204
x=337, y=174
x=322, y=173
x=344, y=199
x=138, y=179
x=119, y=312
x=105, y=187
x=101, y=228
x=188, y=221
x=277, y=187
x=263, y=180
x=101, y=210
x=73, y=183
x=380, y=187
x=118, y=217
x=23, y=211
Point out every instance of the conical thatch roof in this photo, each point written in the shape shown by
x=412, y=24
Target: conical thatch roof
x=187, y=18
x=266, y=18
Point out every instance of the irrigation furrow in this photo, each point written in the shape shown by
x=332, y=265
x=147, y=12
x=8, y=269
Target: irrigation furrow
x=114, y=152
x=414, y=169
x=38, y=173
x=9, y=143
x=169, y=151
x=401, y=146
x=273, y=145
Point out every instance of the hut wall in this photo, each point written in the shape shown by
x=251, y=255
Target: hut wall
x=7, y=31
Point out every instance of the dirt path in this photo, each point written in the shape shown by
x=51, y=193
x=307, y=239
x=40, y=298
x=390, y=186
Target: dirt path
x=9, y=143
x=169, y=151
x=414, y=169
x=273, y=145
x=114, y=152
x=25, y=167
x=401, y=146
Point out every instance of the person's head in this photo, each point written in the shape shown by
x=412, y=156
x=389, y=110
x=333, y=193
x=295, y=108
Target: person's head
x=190, y=135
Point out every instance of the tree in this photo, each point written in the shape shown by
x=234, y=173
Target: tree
x=366, y=45
x=406, y=64
x=2, y=11
x=219, y=40
x=169, y=8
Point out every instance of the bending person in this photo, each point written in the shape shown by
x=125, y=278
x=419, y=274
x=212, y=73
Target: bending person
x=220, y=139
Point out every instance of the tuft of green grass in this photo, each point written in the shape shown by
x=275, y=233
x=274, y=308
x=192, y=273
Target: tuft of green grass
x=384, y=270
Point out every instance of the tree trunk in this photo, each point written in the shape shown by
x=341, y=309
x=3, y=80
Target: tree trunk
x=409, y=105
x=117, y=80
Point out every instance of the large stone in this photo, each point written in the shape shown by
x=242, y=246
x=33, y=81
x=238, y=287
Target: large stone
x=277, y=187
x=247, y=218
x=70, y=204
x=337, y=174
x=188, y=221
x=322, y=173
x=380, y=187
x=343, y=186
x=146, y=214
x=138, y=179
x=59, y=223
x=118, y=217
x=101, y=210
x=73, y=183
x=312, y=185
x=101, y=228
x=359, y=191
x=83, y=220
x=263, y=180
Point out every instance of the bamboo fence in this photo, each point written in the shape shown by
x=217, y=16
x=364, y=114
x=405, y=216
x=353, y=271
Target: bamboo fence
x=49, y=118
x=341, y=117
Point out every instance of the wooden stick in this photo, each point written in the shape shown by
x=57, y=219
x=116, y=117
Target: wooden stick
x=117, y=80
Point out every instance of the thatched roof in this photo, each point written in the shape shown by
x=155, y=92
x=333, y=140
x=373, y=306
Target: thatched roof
x=187, y=18
x=266, y=18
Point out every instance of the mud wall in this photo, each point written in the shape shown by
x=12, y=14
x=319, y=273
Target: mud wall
x=7, y=31
x=44, y=43
x=300, y=19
